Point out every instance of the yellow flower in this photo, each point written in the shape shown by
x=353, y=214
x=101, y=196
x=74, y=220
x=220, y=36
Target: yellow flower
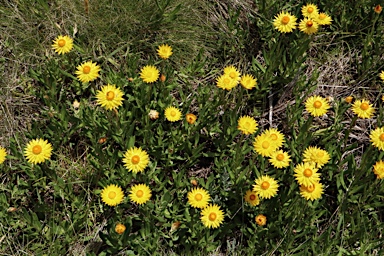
x=136, y=160
x=87, y=71
x=37, y=151
x=378, y=9
x=164, y=51
x=308, y=26
x=378, y=169
x=312, y=192
x=212, y=216
x=276, y=137
x=382, y=75
x=153, y=114
x=120, y=228
x=112, y=195
x=191, y=118
x=62, y=44
x=306, y=174
x=149, y=74
x=261, y=220
x=317, y=106
x=363, y=109
x=279, y=159
x=266, y=187
x=316, y=156
x=140, y=193
x=252, y=198
x=110, y=97
x=247, y=125
x=3, y=154
x=348, y=99
x=377, y=138
x=172, y=114
x=225, y=82
x=310, y=11
x=248, y=82
x=264, y=145
x=198, y=198
x=285, y=22
x=233, y=73
x=323, y=19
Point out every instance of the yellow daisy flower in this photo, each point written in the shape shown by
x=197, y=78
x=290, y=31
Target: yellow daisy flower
x=247, y=125
x=120, y=228
x=252, y=198
x=172, y=114
x=266, y=187
x=317, y=106
x=110, y=97
x=310, y=11
x=136, y=159
x=279, y=159
x=306, y=174
x=198, y=198
x=285, y=22
x=225, y=82
x=62, y=44
x=276, y=137
x=140, y=193
x=248, y=82
x=264, y=145
x=363, y=109
x=316, y=156
x=382, y=75
x=149, y=74
x=112, y=195
x=308, y=26
x=212, y=216
x=261, y=220
x=233, y=73
x=312, y=192
x=378, y=169
x=164, y=51
x=3, y=154
x=37, y=151
x=191, y=118
x=87, y=71
x=377, y=138
x=323, y=19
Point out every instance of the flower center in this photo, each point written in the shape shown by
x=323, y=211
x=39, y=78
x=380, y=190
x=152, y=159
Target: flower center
x=307, y=172
x=212, y=216
x=86, y=69
x=112, y=195
x=135, y=159
x=310, y=9
x=311, y=188
x=173, y=113
x=265, y=185
x=381, y=137
x=285, y=20
x=320, y=154
x=310, y=24
x=61, y=42
x=232, y=74
x=110, y=95
x=247, y=124
x=198, y=197
x=280, y=157
x=364, y=106
x=273, y=136
x=37, y=149
x=317, y=104
x=252, y=197
x=139, y=193
x=265, y=144
x=227, y=81
x=322, y=16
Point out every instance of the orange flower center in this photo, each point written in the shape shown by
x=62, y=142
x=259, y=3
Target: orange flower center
x=309, y=23
x=212, y=216
x=37, y=149
x=310, y=9
x=198, y=197
x=110, y=95
x=317, y=104
x=311, y=188
x=112, y=195
x=285, y=20
x=86, y=69
x=252, y=197
x=61, y=42
x=135, y=159
x=320, y=154
x=381, y=137
x=280, y=157
x=232, y=74
x=364, y=106
x=139, y=193
x=322, y=16
x=247, y=125
x=173, y=113
x=307, y=172
x=227, y=81
x=273, y=136
x=265, y=185
x=265, y=144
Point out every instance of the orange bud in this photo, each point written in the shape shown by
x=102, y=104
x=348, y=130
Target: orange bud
x=191, y=118
x=175, y=225
x=162, y=78
x=378, y=9
x=120, y=228
x=194, y=182
x=261, y=220
x=102, y=140
x=349, y=99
